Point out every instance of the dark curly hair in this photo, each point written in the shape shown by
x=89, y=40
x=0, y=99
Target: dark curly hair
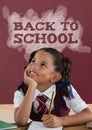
x=62, y=65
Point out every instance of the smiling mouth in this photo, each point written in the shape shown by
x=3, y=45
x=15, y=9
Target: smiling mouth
x=32, y=73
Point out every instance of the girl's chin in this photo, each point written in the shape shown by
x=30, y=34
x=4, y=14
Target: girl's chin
x=34, y=78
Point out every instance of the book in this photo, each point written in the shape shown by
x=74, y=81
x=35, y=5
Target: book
x=5, y=125
x=36, y=125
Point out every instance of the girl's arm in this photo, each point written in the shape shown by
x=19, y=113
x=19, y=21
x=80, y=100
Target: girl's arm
x=76, y=119
x=79, y=118
x=22, y=113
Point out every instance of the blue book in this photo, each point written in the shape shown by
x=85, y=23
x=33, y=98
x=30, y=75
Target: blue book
x=5, y=125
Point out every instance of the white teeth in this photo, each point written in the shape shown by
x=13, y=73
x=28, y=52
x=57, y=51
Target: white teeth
x=33, y=73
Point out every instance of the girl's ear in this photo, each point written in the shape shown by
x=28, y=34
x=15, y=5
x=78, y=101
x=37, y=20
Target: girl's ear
x=56, y=78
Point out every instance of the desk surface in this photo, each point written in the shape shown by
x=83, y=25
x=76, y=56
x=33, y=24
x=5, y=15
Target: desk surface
x=79, y=127
x=7, y=114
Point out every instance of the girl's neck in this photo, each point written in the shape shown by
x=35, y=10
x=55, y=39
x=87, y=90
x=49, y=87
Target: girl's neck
x=43, y=87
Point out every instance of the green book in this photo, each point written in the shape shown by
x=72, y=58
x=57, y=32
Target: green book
x=6, y=126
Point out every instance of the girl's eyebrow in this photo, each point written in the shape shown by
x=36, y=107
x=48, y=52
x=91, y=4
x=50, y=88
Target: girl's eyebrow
x=34, y=58
x=42, y=61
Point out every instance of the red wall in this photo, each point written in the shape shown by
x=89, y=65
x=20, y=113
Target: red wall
x=12, y=62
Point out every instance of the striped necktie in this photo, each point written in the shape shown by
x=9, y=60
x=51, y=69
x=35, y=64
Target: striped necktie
x=42, y=108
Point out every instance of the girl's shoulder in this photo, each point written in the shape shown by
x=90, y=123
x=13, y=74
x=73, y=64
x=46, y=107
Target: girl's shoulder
x=19, y=93
x=18, y=98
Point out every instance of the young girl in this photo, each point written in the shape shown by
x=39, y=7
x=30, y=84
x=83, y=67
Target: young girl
x=48, y=70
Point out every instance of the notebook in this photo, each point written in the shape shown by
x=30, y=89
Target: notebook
x=5, y=125
x=35, y=125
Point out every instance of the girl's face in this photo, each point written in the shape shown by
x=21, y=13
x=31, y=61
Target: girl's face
x=42, y=68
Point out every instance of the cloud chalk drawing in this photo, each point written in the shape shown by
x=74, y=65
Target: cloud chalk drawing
x=51, y=29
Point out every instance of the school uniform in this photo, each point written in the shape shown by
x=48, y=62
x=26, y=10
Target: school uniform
x=61, y=105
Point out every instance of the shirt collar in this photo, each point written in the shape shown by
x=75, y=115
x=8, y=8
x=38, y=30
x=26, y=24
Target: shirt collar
x=47, y=92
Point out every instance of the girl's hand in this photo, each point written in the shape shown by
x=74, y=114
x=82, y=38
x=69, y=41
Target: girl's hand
x=51, y=120
x=28, y=80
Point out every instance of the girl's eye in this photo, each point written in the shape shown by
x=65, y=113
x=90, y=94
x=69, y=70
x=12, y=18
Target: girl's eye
x=43, y=64
x=32, y=61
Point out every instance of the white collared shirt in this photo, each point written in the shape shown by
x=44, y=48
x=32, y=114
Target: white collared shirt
x=76, y=104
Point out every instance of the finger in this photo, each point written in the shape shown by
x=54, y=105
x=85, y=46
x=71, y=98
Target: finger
x=44, y=117
x=48, y=123
x=26, y=72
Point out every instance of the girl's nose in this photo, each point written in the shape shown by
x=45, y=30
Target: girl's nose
x=34, y=66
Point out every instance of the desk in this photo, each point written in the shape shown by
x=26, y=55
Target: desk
x=80, y=127
x=7, y=114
